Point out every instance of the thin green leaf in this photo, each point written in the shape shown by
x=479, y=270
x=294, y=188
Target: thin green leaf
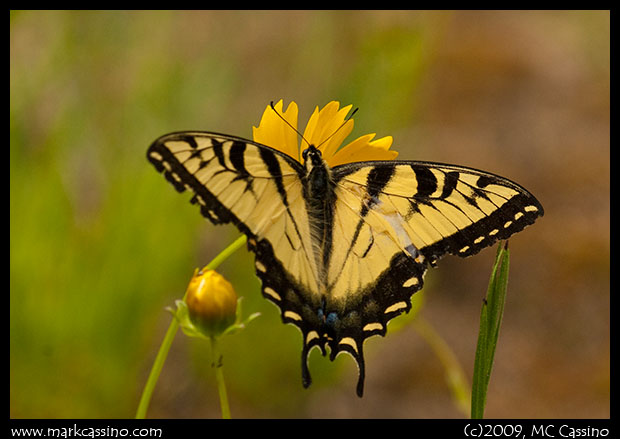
x=490, y=322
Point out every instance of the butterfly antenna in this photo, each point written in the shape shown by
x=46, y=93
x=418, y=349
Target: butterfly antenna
x=349, y=117
x=288, y=123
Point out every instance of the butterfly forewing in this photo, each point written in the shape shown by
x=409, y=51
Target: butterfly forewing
x=443, y=208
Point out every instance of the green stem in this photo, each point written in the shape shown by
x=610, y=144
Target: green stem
x=145, y=399
x=156, y=369
x=216, y=362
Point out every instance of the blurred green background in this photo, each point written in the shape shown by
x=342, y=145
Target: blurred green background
x=101, y=244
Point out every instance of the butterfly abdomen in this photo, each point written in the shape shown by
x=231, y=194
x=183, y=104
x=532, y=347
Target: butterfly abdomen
x=320, y=199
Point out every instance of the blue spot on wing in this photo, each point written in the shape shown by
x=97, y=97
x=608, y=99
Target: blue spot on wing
x=331, y=319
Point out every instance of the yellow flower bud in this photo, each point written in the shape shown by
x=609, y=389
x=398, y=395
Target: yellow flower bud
x=211, y=302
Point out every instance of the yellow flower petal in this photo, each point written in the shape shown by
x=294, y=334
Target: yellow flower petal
x=310, y=128
x=274, y=132
x=326, y=130
x=362, y=149
x=338, y=130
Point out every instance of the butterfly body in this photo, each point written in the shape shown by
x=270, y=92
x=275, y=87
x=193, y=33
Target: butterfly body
x=319, y=198
x=341, y=250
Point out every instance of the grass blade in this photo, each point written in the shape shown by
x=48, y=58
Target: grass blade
x=490, y=322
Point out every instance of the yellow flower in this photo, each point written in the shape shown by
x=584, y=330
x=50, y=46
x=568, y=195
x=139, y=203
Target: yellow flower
x=326, y=130
x=211, y=302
